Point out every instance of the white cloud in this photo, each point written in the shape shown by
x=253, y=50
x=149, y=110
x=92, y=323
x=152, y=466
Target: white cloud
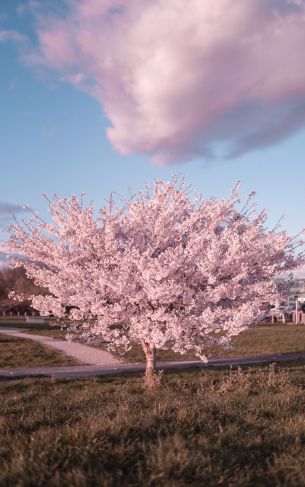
x=177, y=79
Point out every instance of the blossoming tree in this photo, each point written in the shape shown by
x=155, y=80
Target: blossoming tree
x=168, y=269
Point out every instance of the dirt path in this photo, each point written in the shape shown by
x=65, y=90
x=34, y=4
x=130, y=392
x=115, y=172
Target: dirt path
x=83, y=353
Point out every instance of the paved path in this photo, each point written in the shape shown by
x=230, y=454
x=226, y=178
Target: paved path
x=95, y=370
x=83, y=353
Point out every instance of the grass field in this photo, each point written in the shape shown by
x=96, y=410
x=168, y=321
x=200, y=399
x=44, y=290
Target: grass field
x=50, y=331
x=205, y=428
x=19, y=352
x=15, y=321
x=264, y=339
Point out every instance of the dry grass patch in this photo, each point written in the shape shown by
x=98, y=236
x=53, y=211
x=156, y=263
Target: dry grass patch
x=229, y=428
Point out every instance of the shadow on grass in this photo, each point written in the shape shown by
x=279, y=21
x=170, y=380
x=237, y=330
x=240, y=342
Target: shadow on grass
x=200, y=427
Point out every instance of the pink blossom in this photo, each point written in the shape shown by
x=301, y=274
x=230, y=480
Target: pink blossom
x=167, y=270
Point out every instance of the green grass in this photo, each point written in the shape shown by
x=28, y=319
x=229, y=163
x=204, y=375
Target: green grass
x=49, y=332
x=24, y=326
x=20, y=321
x=44, y=329
x=202, y=428
x=262, y=340
x=12, y=319
x=20, y=352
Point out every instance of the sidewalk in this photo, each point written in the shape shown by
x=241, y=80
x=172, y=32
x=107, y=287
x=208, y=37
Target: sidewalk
x=83, y=353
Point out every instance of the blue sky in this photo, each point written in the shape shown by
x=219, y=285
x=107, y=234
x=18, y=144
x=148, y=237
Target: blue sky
x=53, y=140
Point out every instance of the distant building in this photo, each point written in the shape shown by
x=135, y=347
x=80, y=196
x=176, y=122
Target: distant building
x=296, y=291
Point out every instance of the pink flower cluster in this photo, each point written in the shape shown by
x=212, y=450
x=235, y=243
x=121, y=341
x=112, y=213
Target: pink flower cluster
x=169, y=269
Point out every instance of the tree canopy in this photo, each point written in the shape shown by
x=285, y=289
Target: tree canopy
x=167, y=269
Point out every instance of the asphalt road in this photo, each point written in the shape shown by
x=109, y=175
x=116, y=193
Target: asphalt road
x=97, y=370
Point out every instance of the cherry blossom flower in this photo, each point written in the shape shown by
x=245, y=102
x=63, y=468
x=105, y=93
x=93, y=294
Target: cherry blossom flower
x=167, y=270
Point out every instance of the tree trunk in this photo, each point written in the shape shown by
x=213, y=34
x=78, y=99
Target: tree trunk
x=150, y=354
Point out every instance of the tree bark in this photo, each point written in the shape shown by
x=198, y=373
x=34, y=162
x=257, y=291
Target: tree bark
x=150, y=355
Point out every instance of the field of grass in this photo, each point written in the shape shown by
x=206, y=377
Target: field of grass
x=204, y=428
x=264, y=339
x=49, y=332
x=19, y=352
x=14, y=320
x=44, y=329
